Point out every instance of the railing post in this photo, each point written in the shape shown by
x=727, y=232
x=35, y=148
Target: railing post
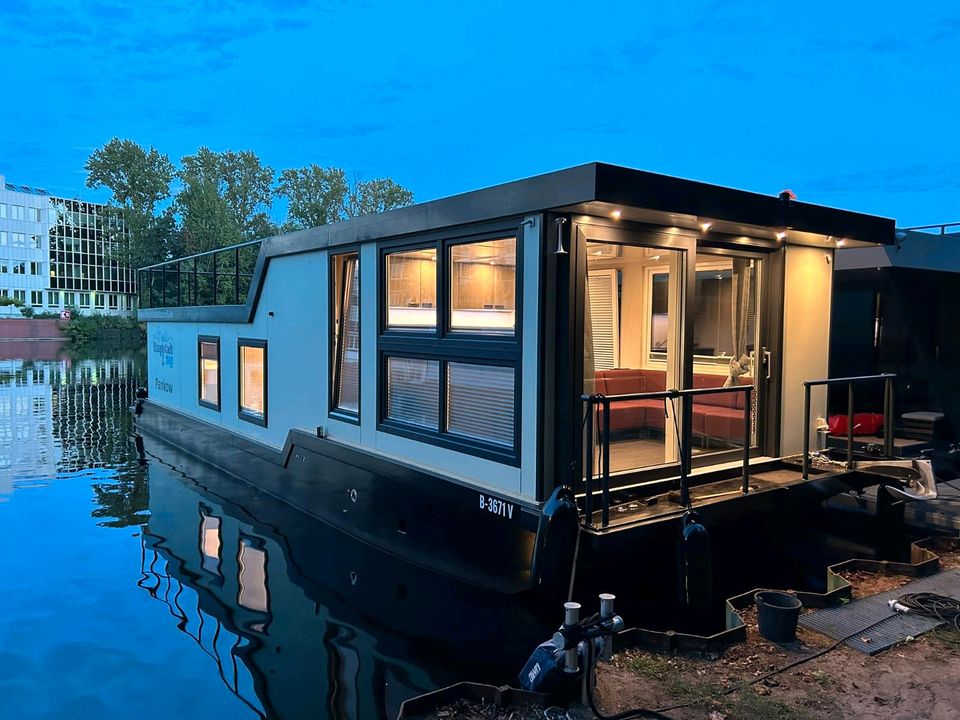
x=888, y=417
x=850, y=425
x=687, y=435
x=196, y=281
x=216, y=295
x=605, y=517
x=179, y=287
x=236, y=278
x=747, y=426
x=806, y=430
x=588, y=477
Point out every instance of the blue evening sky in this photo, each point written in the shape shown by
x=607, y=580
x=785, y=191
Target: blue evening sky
x=853, y=104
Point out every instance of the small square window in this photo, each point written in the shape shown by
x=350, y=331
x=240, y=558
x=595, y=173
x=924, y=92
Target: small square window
x=413, y=391
x=483, y=286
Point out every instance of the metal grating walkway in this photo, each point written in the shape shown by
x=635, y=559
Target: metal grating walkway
x=855, y=617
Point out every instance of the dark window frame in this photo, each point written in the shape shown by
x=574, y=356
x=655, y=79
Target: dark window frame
x=446, y=346
x=333, y=410
x=206, y=403
x=242, y=413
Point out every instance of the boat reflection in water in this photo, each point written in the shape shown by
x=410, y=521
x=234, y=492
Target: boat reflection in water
x=302, y=621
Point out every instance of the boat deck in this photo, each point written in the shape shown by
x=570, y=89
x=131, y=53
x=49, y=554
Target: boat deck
x=667, y=504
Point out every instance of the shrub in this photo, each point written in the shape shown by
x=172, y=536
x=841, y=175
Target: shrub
x=83, y=329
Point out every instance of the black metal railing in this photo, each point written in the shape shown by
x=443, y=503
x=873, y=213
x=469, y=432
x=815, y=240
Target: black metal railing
x=215, y=277
x=938, y=229
x=597, y=403
x=887, y=379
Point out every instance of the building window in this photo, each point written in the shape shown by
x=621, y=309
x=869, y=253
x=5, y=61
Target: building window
x=112, y=302
x=53, y=299
x=98, y=301
x=456, y=386
x=3, y=235
x=20, y=295
x=413, y=391
x=209, y=352
x=345, y=381
x=4, y=266
x=19, y=239
x=35, y=242
x=3, y=210
x=253, y=381
x=35, y=216
x=19, y=268
x=412, y=288
x=480, y=402
x=36, y=268
x=84, y=300
x=483, y=286
x=69, y=299
x=36, y=298
x=18, y=212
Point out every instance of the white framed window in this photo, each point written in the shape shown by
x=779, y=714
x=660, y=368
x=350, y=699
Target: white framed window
x=36, y=298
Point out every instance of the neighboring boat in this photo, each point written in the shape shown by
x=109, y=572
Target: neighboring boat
x=468, y=381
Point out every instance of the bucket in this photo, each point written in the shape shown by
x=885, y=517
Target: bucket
x=777, y=615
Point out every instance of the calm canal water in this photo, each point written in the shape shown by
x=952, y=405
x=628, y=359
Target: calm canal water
x=146, y=584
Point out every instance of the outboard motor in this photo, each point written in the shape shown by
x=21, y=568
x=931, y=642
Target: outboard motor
x=695, y=572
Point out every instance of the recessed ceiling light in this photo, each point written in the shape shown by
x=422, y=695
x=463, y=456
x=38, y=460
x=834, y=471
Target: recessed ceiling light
x=781, y=235
x=616, y=214
x=706, y=226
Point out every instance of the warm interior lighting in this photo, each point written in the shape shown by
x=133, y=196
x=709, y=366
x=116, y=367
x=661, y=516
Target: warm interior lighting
x=781, y=235
x=654, y=257
x=841, y=243
x=616, y=214
x=706, y=226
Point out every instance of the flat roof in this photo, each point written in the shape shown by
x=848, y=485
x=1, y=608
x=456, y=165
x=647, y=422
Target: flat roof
x=589, y=189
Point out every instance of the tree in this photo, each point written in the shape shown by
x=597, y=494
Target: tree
x=137, y=178
x=239, y=180
x=319, y=196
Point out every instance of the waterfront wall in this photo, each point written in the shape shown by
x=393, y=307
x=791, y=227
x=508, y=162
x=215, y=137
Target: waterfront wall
x=30, y=329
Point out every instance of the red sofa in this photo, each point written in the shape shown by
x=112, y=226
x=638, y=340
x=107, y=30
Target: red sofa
x=718, y=416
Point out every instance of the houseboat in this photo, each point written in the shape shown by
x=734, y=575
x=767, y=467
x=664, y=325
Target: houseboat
x=503, y=383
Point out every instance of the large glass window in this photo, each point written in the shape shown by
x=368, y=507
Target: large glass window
x=413, y=391
x=412, y=288
x=480, y=402
x=483, y=286
x=210, y=543
x=253, y=381
x=346, y=333
x=210, y=372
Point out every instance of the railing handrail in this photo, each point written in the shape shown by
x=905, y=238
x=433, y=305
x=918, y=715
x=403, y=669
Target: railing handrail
x=942, y=227
x=684, y=442
x=888, y=421
x=201, y=254
x=600, y=397
x=853, y=379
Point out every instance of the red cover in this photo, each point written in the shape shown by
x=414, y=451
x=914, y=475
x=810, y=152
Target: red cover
x=863, y=424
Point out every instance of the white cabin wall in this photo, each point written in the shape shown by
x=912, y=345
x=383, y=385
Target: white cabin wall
x=808, y=281
x=296, y=290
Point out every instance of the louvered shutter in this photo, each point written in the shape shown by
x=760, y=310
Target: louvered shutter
x=604, y=318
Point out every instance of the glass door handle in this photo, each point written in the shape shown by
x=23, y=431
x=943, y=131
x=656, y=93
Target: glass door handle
x=768, y=361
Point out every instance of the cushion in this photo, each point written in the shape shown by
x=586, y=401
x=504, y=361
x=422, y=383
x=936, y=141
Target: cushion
x=724, y=423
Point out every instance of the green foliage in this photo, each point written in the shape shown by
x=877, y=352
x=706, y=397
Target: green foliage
x=26, y=311
x=84, y=329
x=319, y=196
x=224, y=198
x=138, y=178
x=6, y=300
